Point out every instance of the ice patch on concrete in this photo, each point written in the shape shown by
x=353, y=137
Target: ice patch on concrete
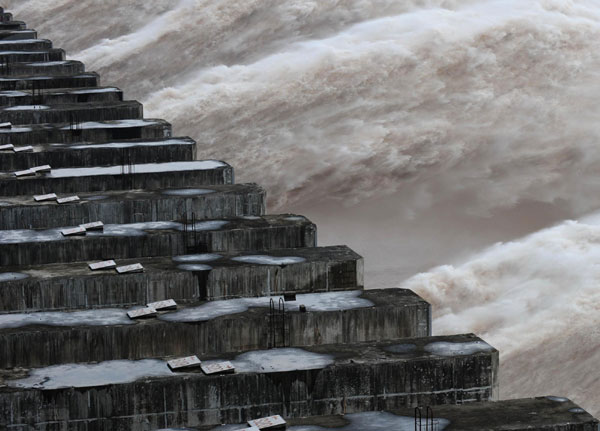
x=205, y=257
x=130, y=144
x=27, y=235
x=376, y=421
x=100, y=317
x=12, y=276
x=134, y=229
x=96, y=198
x=328, y=301
x=446, y=348
x=88, y=375
x=194, y=267
x=138, y=169
x=402, y=348
x=276, y=360
x=27, y=108
x=187, y=192
x=269, y=260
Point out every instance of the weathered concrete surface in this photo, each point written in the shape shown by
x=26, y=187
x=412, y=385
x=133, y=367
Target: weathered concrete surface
x=88, y=79
x=74, y=285
x=238, y=234
x=13, y=25
x=94, y=111
x=134, y=206
x=55, y=96
x=24, y=45
x=102, y=131
x=18, y=34
x=80, y=154
x=52, y=54
x=144, y=176
x=395, y=314
x=363, y=377
x=53, y=68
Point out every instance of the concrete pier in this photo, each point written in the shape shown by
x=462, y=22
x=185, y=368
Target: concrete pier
x=98, y=179
x=56, y=68
x=135, y=206
x=328, y=380
x=35, y=247
x=215, y=327
x=88, y=79
x=52, y=54
x=18, y=34
x=60, y=96
x=185, y=278
x=89, y=154
x=95, y=111
x=24, y=45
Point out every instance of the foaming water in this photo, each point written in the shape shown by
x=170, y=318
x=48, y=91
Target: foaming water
x=417, y=131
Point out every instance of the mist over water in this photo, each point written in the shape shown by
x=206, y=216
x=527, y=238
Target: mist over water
x=417, y=132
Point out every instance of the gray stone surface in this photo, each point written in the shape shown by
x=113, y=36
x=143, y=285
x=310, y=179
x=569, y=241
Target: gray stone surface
x=389, y=314
x=24, y=45
x=51, y=54
x=88, y=79
x=74, y=285
x=55, y=68
x=358, y=379
x=162, y=239
x=18, y=34
x=55, y=96
x=132, y=206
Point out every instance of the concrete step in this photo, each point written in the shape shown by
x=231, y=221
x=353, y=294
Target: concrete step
x=88, y=79
x=147, y=176
x=18, y=34
x=25, y=44
x=293, y=382
x=36, y=247
x=134, y=206
x=56, y=96
x=79, y=112
x=90, y=131
x=50, y=68
x=186, y=279
x=6, y=17
x=215, y=327
x=31, y=56
x=89, y=154
x=531, y=414
x=12, y=25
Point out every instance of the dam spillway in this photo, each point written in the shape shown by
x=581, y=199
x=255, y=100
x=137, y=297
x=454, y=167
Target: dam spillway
x=120, y=253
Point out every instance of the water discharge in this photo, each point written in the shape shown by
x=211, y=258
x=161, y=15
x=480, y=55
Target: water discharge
x=417, y=132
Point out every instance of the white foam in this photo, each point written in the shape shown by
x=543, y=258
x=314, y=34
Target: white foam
x=12, y=276
x=269, y=260
x=138, y=169
x=27, y=108
x=100, y=317
x=328, y=301
x=446, y=348
x=88, y=375
x=130, y=144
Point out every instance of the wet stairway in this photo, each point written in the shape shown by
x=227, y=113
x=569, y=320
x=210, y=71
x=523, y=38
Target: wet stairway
x=120, y=252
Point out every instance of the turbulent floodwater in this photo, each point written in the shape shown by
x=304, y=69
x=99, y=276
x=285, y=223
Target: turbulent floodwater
x=420, y=132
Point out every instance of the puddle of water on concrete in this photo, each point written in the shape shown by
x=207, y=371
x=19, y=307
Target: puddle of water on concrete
x=269, y=260
x=100, y=317
x=205, y=257
x=138, y=169
x=446, y=348
x=12, y=276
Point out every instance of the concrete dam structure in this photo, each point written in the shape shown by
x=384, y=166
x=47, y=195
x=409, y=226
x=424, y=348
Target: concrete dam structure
x=143, y=289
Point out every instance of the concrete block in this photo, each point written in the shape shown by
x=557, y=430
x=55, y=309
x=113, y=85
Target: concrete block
x=18, y=34
x=131, y=206
x=11, y=56
x=52, y=68
x=82, y=112
x=61, y=96
x=140, y=176
x=92, y=131
x=35, y=247
x=88, y=154
x=23, y=45
x=187, y=279
x=318, y=380
x=12, y=25
x=88, y=79
x=214, y=327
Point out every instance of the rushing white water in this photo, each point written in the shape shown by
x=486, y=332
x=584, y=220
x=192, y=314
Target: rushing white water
x=417, y=131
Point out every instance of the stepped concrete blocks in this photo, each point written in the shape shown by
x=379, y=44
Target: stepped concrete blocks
x=13, y=25
x=55, y=68
x=18, y=34
x=98, y=131
x=63, y=96
x=52, y=54
x=24, y=45
x=89, y=154
x=147, y=176
x=134, y=206
x=30, y=247
x=83, y=112
x=321, y=380
x=88, y=79
x=215, y=327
